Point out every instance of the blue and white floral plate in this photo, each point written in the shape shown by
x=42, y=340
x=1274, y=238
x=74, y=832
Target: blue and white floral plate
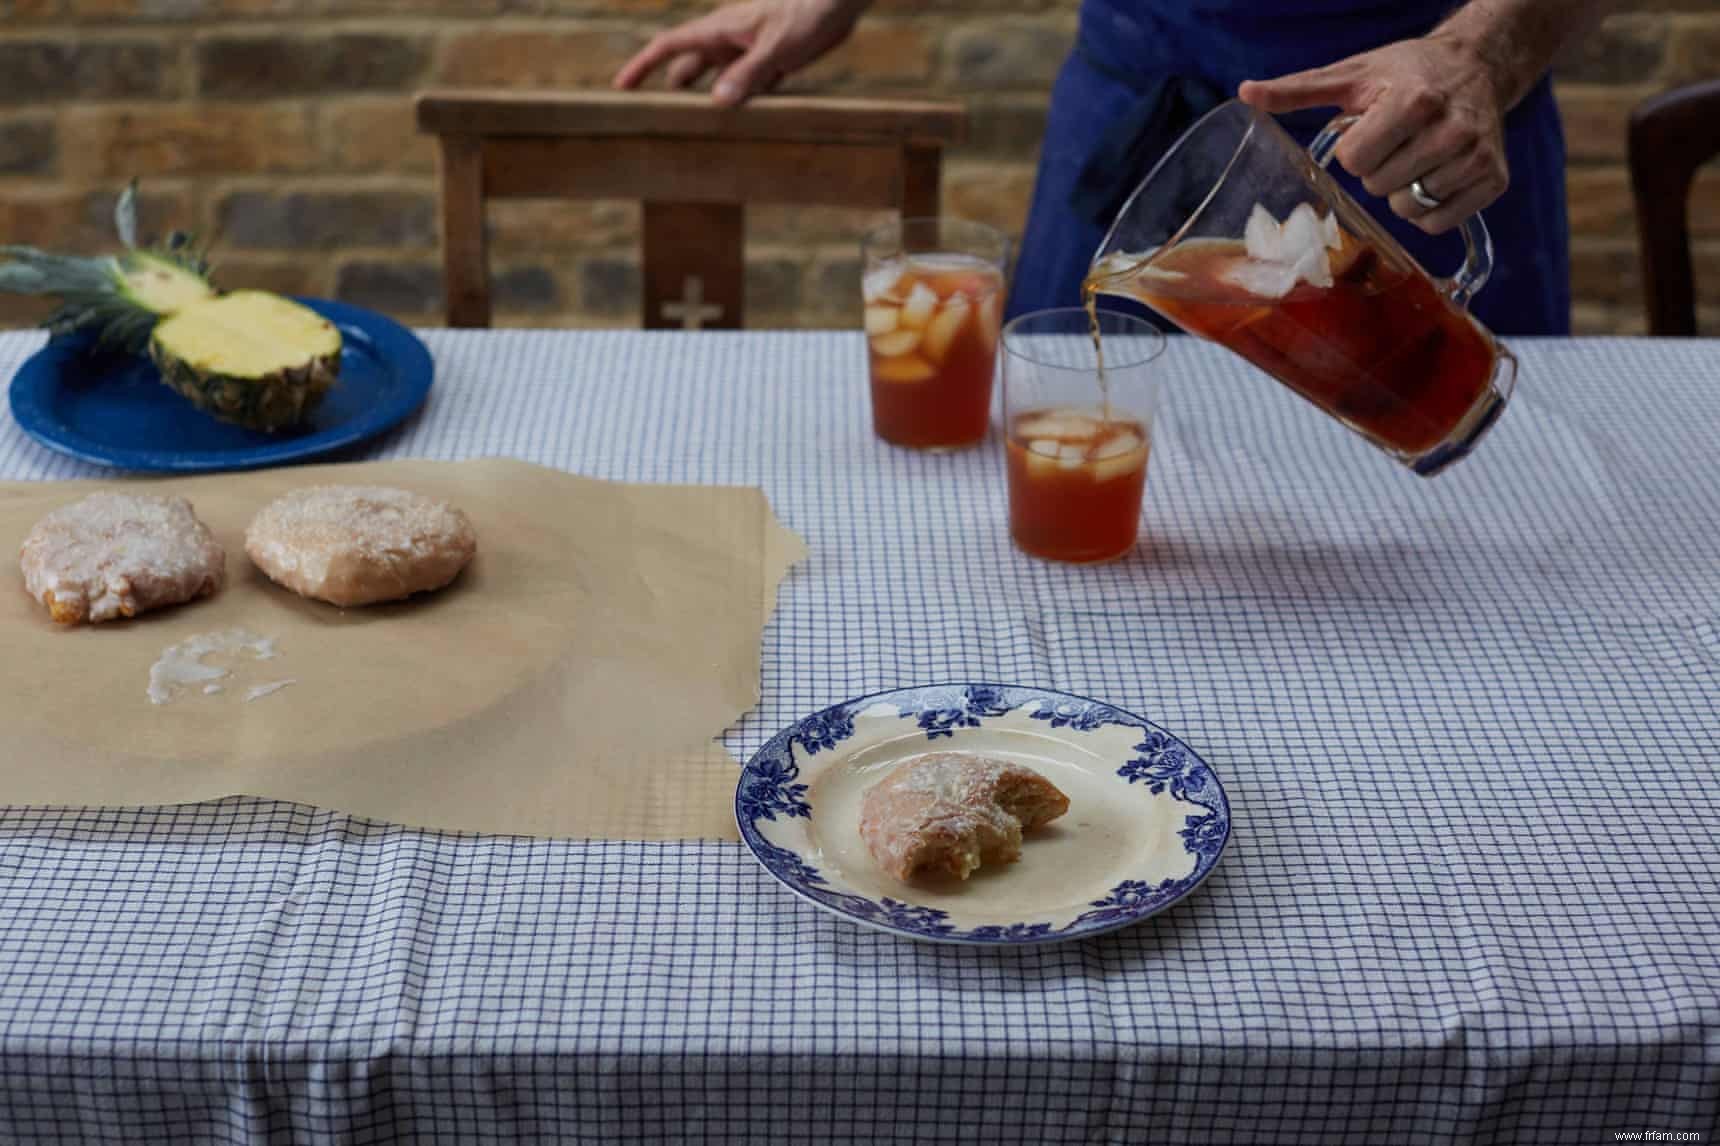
x=1147, y=818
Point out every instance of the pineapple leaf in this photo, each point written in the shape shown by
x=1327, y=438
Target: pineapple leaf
x=30, y=271
x=125, y=215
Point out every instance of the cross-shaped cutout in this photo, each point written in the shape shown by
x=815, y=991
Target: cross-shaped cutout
x=692, y=310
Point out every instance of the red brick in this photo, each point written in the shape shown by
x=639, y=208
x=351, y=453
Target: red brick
x=1625, y=49
x=375, y=136
x=79, y=222
x=877, y=55
x=1013, y=55
x=179, y=140
x=1695, y=51
x=328, y=219
x=525, y=226
x=261, y=67
x=538, y=59
x=28, y=146
x=285, y=274
x=35, y=70
x=1597, y=119
x=788, y=223
x=998, y=194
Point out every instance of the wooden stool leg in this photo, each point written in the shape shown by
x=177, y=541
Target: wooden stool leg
x=695, y=266
x=922, y=182
x=465, y=245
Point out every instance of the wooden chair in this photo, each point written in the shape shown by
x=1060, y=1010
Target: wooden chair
x=1671, y=136
x=695, y=166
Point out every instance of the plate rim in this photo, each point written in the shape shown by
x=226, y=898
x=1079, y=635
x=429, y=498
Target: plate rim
x=1073, y=932
x=406, y=354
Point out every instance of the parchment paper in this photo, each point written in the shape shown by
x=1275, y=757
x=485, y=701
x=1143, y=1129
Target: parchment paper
x=570, y=683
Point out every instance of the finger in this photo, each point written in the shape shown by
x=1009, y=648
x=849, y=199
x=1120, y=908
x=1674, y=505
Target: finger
x=747, y=75
x=1333, y=86
x=663, y=46
x=1398, y=117
x=1463, y=187
x=1423, y=154
x=685, y=69
x=1471, y=201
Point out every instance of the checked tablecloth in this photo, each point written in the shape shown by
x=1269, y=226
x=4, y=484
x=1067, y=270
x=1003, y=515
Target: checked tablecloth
x=1470, y=729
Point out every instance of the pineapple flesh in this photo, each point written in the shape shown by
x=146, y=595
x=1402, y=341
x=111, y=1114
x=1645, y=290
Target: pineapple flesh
x=252, y=358
x=248, y=357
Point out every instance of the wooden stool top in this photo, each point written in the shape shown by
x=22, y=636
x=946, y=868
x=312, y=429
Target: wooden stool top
x=682, y=115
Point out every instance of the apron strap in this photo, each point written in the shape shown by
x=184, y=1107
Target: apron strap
x=1168, y=105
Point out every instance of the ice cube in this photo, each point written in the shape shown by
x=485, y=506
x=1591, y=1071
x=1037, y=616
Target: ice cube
x=1315, y=267
x=880, y=281
x=1333, y=233
x=882, y=319
x=1118, y=443
x=1057, y=424
x=896, y=343
x=1261, y=279
x=1044, y=446
x=943, y=329
x=903, y=368
x=1302, y=232
x=1263, y=238
x=1121, y=465
x=1042, y=465
x=917, y=310
x=1071, y=454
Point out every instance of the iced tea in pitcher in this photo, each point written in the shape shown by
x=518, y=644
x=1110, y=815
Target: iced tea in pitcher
x=1363, y=337
x=932, y=320
x=1240, y=236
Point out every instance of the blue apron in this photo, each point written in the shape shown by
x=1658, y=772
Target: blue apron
x=1144, y=70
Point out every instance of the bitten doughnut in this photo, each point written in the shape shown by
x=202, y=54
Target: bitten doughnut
x=948, y=812
x=359, y=545
x=116, y=555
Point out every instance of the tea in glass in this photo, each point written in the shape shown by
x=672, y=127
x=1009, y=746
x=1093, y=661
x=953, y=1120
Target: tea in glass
x=1078, y=450
x=933, y=294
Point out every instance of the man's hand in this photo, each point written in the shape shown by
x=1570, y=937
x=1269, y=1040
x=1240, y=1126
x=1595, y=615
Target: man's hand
x=752, y=45
x=1431, y=109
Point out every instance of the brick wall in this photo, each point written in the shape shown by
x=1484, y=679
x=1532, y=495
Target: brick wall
x=283, y=127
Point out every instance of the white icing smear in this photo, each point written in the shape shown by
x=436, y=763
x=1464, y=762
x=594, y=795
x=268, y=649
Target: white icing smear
x=259, y=691
x=182, y=666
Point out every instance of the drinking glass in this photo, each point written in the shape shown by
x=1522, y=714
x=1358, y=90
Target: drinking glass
x=933, y=293
x=1077, y=448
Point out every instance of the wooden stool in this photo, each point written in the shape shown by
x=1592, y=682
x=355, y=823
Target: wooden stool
x=1671, y=136
x=694, y=165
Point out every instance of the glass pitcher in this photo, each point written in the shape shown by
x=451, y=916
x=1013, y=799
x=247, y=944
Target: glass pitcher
x=1241, y=237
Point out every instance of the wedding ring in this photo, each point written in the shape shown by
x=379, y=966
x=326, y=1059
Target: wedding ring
x=1418, y=192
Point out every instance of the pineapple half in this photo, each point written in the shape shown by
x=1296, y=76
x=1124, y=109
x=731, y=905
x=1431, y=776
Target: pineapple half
x=256, y=359
x=249, y=357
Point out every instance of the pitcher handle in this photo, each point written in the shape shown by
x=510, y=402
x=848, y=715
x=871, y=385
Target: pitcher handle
x=1477, y=242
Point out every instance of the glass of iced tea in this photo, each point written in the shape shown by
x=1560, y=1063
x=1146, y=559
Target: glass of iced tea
x=933, y=291
x=1079, y=435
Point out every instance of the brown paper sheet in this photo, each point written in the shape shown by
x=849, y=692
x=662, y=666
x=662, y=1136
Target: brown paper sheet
x=570, y=683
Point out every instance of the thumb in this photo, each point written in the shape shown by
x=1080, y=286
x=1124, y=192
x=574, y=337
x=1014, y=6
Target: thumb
x=748, y=75
x=1335, y=86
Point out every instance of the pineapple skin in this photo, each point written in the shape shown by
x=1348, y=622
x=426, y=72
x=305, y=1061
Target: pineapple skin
x=269, y=404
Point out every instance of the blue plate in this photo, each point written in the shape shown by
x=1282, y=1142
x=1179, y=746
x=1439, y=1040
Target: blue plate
x=111, y=409
x=1147, y=819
